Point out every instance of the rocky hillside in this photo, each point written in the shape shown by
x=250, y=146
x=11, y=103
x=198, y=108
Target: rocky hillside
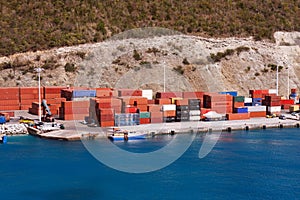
x=138, y=60
x=28, y=25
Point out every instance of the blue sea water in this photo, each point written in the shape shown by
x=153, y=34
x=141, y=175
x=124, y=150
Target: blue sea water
x=258, y=164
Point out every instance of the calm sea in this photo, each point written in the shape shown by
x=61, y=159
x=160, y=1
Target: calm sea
x=262, y=164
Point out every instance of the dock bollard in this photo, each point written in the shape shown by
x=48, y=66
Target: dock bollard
x=264, y=127
x=172, y=132
x=280, y=125
x=229, y=129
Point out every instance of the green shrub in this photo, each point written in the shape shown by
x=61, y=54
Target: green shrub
x=70, y=67
x=136, y=55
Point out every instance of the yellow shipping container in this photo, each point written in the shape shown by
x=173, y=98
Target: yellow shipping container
x=174, y=99
x=294, y=108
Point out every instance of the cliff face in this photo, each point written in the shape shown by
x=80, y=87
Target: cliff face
x=189, y=62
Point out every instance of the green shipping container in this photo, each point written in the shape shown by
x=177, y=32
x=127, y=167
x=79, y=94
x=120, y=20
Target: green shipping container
x=239, y=99
x=144, y=115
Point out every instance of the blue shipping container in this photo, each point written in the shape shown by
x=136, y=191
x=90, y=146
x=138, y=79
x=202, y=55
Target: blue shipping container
x=255, y=100
x=241, y=110
x=84, y=93
x=232, y=93
x=2, y=120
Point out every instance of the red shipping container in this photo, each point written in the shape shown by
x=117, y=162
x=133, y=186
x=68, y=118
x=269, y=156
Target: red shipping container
x=5, y=108
x=145, y=121
x=237, y=116
x=163, y=101
x=222, y=109
x=52, y=96
x=152, y=101
x=143, y=108
x=107, y=111
x=107, y=124
x=183, y=102
x=168, y=95
x=156, y=120
x=169, y=113
x=257, y=114
x=217, y=98
x=287, y=102
x=53, y=89
x=238, y=104
x=25, y=106
x=192, y=95
x=104, y=92
x=105, y=118
x=218, y=104
x=129, y=92
x=156, y=114
x=9, y=102
x=131, y=109
x=154, y=107
x=10, y=113
x=256, y=96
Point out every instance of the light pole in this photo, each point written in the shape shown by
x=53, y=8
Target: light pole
x=277, y=80
x=164, y=76
x=39, y=70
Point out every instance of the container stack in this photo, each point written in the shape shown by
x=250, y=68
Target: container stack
x=169, y=112
x=52, y=92
x=194, y=109
x=78, y=94
x=9, y=98
x=273, y=105
x=106, y=117
x=139, y=102
x=129, y=93
x=127, y=119
x=182, y=110
x=156, y=114
x=145, y=117
x=286, y=103
x=74, y=110
x=104, y=92
x=29, y=95
x=220, y=103
x=294, y=95
x=257, y=111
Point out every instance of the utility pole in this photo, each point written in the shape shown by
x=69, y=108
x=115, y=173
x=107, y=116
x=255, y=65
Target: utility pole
x=39, y=70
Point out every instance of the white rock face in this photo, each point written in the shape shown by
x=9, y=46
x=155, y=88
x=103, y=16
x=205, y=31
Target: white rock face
x=185, y=60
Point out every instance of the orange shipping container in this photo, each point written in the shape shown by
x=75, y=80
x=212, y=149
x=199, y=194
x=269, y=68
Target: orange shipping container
x=163, y=101
x=257, y=114
x=169, y=113
x=153, y=107
x=237, y=116
x=182, y=102
x=107, y=124
x=145, y=120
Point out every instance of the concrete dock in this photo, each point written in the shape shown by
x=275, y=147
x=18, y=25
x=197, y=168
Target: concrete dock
x=76, y=130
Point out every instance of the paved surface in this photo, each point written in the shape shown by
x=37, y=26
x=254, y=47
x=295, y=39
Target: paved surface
x=75, y=129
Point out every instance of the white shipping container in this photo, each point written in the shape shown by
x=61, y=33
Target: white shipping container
x=272, y=91
x=195, y=112
x=195, y=118
x=147, y=94
x=248, y=100
x=256, y=108
x=169, y=107
x=272, y=109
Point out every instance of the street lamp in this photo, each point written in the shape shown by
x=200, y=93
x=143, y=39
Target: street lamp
x=39, y=70
x=164, y=76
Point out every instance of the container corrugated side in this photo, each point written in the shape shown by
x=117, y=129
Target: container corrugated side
x=195, y=112
x=274, y=109
x=168, y=107
x=256, y=108
x=247, y=100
